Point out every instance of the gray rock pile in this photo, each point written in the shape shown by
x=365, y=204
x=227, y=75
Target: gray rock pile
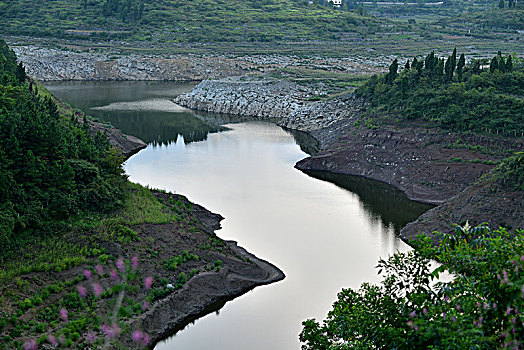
x=51, y=64
x=283, y=101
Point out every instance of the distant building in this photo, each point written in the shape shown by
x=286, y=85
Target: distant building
x=336, y=3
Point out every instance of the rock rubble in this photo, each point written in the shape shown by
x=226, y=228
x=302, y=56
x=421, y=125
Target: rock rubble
x=51, y=64
x=282, y=101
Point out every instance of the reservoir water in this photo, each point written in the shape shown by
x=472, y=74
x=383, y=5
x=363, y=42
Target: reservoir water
x=326, y=232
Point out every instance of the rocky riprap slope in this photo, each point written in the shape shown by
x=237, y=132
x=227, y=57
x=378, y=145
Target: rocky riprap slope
x=283, y=101
x=50, y=64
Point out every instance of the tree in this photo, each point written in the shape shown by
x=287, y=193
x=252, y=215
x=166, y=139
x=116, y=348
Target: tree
x=509, y=64
x=501, y=4
x=460, y=66
x=479, y=309
x=393, y=71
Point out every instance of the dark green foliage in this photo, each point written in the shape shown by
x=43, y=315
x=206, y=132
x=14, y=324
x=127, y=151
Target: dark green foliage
x=480, y=308
x=180, y=21
x=393, y=72
x=51, y=167
x=453, y=95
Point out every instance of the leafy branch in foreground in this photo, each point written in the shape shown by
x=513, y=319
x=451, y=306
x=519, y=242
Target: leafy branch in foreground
x=480, y=308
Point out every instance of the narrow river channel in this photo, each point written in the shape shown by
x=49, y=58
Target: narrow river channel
x=324, y=235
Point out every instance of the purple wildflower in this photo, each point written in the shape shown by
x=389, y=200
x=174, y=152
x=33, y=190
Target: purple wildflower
x=90, y=337
x=425, y=311
x=120, y=265
x=63, y=314
x=146, y=339
x=508, y=311
x=97, y=290
x=112, y=331
x=505, y=276
x=81, y=291
x=134, y=263
x=87, y=274
x=413, y=314
x=145, y=305
x=30, y=345
x=114, y=275
x=52, y=340
x=137, y=336
x=99, y=269
x=148, y=282
x=453, y=318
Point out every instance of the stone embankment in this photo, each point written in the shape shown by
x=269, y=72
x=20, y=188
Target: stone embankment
x=51, y=65
x=285, y=102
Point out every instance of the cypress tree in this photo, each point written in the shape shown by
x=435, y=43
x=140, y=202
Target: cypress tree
x=453, y=62
x=393, y=71
x=460, y=66
x=509, y=64
x=494, y=64
x=407, y=65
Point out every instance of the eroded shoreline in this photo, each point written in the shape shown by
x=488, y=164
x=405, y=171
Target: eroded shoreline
x=428, y=164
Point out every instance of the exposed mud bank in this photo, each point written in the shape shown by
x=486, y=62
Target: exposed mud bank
x=241, y=272
x=428, y=164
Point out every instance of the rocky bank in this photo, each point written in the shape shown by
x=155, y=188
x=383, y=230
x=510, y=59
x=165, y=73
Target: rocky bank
x=429, y=165
x=285, y=102
x=45, y=64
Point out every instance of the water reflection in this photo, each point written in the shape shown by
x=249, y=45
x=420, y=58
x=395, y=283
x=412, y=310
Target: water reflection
x=324, y=235
x=381, y=201
x=141, y=109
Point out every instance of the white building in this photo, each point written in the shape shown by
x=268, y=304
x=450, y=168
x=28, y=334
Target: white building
x=336, y=3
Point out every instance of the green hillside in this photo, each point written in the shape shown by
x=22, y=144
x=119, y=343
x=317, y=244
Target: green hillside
x=481, y=96
x=180, y=21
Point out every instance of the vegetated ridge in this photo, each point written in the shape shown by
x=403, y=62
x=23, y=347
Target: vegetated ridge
x=180, y=21
x=87, y=258
x=433, y=129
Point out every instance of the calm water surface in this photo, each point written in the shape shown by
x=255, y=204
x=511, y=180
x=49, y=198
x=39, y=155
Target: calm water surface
x=325, y=236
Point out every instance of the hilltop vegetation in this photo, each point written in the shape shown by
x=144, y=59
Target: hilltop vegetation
x=481, y=96
x=179, y=21
x=82, y=250
x=52, y=168
x=501, y=18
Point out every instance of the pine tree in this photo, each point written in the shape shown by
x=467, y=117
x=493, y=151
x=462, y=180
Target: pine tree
x=407, y=65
